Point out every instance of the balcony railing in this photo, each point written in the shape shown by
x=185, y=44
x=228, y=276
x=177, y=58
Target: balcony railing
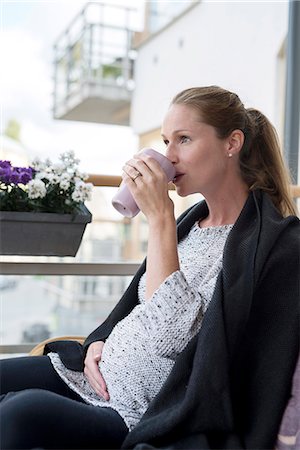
x=93, y=66
x=75, y=269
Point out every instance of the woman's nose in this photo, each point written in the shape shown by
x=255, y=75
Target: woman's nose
x=171, y=154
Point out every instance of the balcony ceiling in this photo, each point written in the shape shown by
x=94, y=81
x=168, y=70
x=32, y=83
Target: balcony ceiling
x=96, y=104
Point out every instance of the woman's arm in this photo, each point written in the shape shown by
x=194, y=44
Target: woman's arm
x=150, y=191
x=162, y=256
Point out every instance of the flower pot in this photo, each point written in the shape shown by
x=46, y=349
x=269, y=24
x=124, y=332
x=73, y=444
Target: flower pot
x=42, y=234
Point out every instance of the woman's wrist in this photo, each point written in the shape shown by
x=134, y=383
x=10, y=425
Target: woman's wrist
x=161, y=220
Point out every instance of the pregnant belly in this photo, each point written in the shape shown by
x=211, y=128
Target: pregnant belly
x=129, y=367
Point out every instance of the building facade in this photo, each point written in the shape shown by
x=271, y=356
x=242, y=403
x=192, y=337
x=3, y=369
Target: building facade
x=237, y=45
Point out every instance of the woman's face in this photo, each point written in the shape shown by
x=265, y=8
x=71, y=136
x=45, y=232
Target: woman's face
x=199, y=156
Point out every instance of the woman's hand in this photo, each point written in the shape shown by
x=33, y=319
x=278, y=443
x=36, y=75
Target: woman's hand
x=148, y=183
x=91, y=369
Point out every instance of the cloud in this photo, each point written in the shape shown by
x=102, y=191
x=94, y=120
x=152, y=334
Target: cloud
x=25, y=81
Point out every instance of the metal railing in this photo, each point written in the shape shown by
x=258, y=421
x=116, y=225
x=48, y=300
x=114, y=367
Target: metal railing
x=94, y=51
x=76, y=269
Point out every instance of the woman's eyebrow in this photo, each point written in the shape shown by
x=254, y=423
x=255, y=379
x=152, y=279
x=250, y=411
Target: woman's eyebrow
x=178, y=131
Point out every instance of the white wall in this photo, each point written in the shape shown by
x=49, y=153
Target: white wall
x=231, y=44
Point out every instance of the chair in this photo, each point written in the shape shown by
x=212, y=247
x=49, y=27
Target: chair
x=38, y=350
x=289, y=433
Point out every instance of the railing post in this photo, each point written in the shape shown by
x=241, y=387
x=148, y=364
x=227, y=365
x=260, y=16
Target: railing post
x=292, y=116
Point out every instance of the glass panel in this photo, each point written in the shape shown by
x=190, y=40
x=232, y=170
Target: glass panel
x=34, y=308
x=161, y=13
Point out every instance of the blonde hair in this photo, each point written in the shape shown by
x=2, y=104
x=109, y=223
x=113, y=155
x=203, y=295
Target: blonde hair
x=261, y=162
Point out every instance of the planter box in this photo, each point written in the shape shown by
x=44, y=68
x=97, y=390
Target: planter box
x=42, y=234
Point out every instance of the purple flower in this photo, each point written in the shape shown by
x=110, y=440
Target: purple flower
x=15, y=175
x=5, y=175
x=4, y=164
x=5, y=170
x=25, y=176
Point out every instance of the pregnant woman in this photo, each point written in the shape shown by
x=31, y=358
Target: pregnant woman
x=200, y=350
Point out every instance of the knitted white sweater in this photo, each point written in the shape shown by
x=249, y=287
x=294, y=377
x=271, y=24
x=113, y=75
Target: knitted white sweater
x=141, y=350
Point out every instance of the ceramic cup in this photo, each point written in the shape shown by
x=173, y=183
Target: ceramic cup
x=123, y=200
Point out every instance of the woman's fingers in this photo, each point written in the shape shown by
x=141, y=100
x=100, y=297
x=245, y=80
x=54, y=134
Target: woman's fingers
x=96, y=380
x=91, y=369
x=148, y=184
x=131, y=172
x=143, y=166
x=134, y=169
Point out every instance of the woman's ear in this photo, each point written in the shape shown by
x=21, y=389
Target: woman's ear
x=235, y=142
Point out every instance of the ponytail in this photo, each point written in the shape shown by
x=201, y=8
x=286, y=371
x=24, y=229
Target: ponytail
x=261, y=162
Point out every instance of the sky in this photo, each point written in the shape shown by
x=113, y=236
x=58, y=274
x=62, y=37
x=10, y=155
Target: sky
x=28, y=32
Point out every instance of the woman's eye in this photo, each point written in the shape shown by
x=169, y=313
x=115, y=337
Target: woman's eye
x=166, y=142
x=184, y=139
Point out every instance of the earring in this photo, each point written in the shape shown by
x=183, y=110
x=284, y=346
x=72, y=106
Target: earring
x=229, y=155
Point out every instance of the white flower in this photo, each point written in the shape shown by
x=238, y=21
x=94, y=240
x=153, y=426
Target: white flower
x=79, y=185
x=36, y=189
x=64, y=185
x=41, y=175
x=69, y=160
x=65, y=174
x=75, y=161
x=77, y=196
x=81, y=175
x=65, y=180
x=65, y=177
x=58, y=168
x=53, y=178
x=38, y=164
x=48, y=162
x=70, y=154
x=82, y=191
x=87, y=191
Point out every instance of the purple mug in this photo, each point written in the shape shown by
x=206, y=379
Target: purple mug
x=123, y=200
